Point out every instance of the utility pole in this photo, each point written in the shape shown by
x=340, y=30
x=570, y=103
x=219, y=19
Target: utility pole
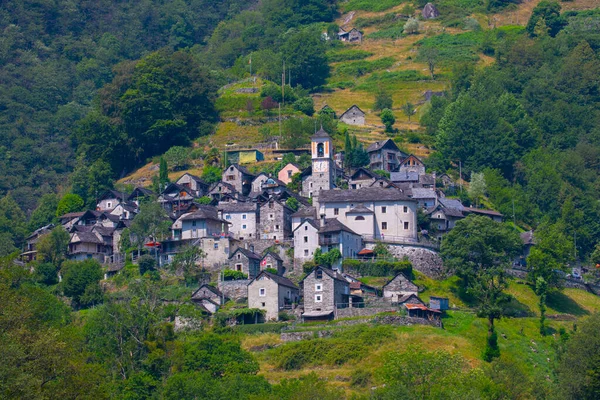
x=514, y=219
x=283, y=84
x=460, y=174
x=280, y=120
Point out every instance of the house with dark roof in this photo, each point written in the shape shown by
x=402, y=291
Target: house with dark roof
x=410, y=299
x=194, y=183
x=443, y=217
x=30, y=252
x=125, y=210
x=412, y=163
x=426, y=197
x=140, y=194
x=306, y=240
x=353, y=116
x=303, y=213
x=110, y=199
x=272, y=260
x=245, y=261
x=176, y=198
x=335, y=235
x=325, y=291
x=243, y=218
x=351, y=36
x=362, y=177
x=87, y=244
x=384, y=155
x=238, y=177
x=494, y=215
x=223, y=192
x=204, y=222
x=208, y=297
x=393, y=218
x=398, y=287
x=272, y=293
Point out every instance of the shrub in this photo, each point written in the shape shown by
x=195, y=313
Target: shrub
x=360, y=378
x=411, y=26
x=146, y=263
x=379, y=268
x=231, y=275
x=305, y=105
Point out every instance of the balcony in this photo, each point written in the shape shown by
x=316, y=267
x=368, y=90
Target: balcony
x=329, y=241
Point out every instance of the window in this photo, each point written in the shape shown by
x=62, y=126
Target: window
x=305, y=252
x=271, y=205
x=406, y=225
x=310, y=185
x=262, y=292
x=405, y=209
x=263, y=304
x=320, y=150
x=318, y=287
x=305, y=239
x=239, y=256
x=289, y=173
x=305, y=228
x=271, y=216
x=384, y=225
x=336, y=211
x=243, y=216
x=216, y=246
x=244, y=227
x=318, y=298
x=238, y=267
x=109, y=204
x=269, y=266
x=359, y=218
x=319, y=274
x=227, y=216
x=231, y=177
x=274, y=237
x=383, y=210
x=193, y=223
x=310, y=194
x=277, y=227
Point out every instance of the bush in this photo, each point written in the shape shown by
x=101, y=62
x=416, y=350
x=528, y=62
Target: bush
x=146, y=263
x=360, y=378
x=305, y=105
x=46, y=273
x=231, y=275
x=379, y=268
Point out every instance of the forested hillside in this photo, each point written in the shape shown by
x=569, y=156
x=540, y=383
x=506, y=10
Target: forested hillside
x=55, y=55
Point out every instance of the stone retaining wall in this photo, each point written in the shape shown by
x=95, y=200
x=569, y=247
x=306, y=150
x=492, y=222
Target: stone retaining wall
x=234, y=289
x=423, y=260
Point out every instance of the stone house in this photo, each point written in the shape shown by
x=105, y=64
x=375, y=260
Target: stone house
x=335, y=235
x=222, y=192
x=351, y=36
x=398, y=287
x=275, y=221
x=306, y=241
x=194, y=183
x=87, y=243
x=272, y=260
x=494, y=215
x=140, y=194
x=303, y=213
x=175, y=199
x=245, y=261
x=272, y=293
x=125, y=210
x=374, y=213
x=70, y=219
x=353, y=116
x=30, y=252
x=110, y=199
x=412, y=163
x=243, y=218
x=384, y=155
x=285, y=174
x=239, y=177
x=201, y=223
x=362, y=177
x=410, y=299
x=443, y=218
x=209, y=297
x=325, y=291
x=426, y=197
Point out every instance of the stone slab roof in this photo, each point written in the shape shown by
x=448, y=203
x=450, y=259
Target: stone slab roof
x=362, y=195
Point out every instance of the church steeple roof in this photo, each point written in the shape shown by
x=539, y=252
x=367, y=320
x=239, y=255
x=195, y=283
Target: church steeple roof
x=321, y=133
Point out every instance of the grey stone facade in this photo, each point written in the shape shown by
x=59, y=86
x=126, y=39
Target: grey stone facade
x=324, y=291
x=399, y=286
x=275, y=221
x=272, y=293
x=239, y=177
x=245, y=261
x=234, y=290
x=423, y=260
x=353, y=116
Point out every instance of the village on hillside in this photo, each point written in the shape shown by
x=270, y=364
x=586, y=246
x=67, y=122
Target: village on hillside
x=265, y=234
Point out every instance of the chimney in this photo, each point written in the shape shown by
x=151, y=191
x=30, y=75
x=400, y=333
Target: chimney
x=322, y=220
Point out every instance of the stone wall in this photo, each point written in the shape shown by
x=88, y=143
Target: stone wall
x=423, y=260
x=260, y=245
x=234, y=290
x=406, y=321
